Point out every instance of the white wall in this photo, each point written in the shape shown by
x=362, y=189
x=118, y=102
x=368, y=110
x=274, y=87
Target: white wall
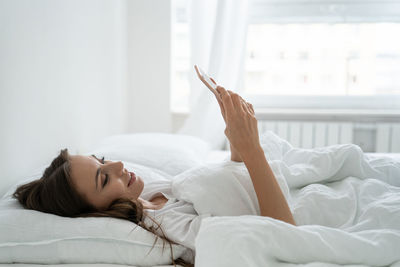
x=64, y=77
x=149, y=71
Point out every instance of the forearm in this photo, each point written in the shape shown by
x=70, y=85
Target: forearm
x=235, y=156
x=271, y=200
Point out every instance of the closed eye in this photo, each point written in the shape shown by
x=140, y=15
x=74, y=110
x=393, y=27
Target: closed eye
x=105, y=180
x=102, y=161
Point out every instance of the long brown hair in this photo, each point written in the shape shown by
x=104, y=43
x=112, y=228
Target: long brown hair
x=54, y=193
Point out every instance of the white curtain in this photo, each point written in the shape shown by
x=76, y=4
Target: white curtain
x=218, y=31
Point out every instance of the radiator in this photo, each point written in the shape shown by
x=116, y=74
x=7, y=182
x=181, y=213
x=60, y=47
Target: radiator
x=373, y=131
x=371, y=137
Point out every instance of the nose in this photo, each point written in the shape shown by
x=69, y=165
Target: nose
x=117, y=166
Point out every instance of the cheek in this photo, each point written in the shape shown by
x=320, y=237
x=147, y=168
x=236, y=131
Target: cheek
x=117, y=190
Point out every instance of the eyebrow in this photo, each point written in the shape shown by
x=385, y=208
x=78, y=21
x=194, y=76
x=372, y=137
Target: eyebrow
x=97, y=172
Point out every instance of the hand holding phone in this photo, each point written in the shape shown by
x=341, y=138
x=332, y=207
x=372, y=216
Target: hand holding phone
x=207, y=81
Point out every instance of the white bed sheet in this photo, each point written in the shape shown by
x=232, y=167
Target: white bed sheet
x=372, y=238
x=213, y=156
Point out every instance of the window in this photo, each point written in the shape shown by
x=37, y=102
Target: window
x=323, y=59
x=311, y=54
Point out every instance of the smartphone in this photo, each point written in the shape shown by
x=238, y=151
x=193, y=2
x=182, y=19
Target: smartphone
x=206, y=80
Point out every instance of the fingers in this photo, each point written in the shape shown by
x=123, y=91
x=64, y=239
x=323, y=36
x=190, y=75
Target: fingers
x=213, y=81
x=232, y=101
x=226, y=99
x=249, y=106
x=245, y=106
x=237, y=101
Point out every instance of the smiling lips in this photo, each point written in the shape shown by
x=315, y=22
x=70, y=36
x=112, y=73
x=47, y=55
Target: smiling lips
x=133, y=178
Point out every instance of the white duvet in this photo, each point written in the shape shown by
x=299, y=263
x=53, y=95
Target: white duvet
x=346, y=206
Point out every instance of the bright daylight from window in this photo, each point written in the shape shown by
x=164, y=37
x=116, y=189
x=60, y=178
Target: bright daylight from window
x=323, y=59
x=308, y=59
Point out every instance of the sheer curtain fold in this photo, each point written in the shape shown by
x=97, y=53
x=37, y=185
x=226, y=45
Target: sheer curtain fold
x=218, y=31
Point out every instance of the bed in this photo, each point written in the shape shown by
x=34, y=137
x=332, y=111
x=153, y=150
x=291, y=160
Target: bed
x=346, y=204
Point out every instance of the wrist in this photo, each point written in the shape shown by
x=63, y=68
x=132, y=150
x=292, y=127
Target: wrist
x=236, y=159
x=252, y=153
x=235, y=156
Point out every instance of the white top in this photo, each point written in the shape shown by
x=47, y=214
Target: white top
x=179, y=220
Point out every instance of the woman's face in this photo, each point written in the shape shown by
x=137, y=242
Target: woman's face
x=92, y=187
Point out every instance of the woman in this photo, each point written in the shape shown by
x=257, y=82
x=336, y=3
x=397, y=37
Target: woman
x=86, y=186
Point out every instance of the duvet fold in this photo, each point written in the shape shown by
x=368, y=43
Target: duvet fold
x=346, y=206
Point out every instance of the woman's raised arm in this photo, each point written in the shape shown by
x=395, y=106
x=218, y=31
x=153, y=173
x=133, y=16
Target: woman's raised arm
x=242, y=132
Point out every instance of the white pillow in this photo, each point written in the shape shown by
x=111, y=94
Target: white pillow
x=28, y=236
x=170, y=153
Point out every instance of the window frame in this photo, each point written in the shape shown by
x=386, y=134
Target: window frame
x=324, y=11
x=329, y=11
x=319, y=11
x=325, y=102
